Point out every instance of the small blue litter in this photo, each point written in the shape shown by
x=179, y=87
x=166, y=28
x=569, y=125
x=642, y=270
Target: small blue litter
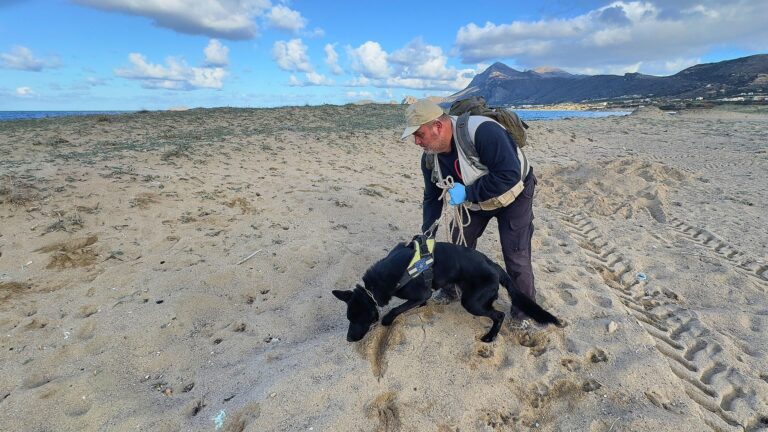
x=641, y=277
x=219, y=419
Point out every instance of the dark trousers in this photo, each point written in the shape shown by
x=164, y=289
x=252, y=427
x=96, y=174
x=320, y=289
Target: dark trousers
x=515, y=223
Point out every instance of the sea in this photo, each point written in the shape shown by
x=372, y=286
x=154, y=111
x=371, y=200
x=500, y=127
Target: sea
x=523, y=113
x=27, y=115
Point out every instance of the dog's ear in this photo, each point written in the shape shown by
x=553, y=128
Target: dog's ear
x=344, y=296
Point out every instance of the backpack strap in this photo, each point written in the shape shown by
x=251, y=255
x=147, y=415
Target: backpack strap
x=512, y=193
x=463, y=138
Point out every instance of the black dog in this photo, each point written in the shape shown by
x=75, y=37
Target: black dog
x=476, y=275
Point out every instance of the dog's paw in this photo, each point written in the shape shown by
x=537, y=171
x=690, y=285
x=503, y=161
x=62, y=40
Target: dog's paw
x=387, y=320
x=487, y=338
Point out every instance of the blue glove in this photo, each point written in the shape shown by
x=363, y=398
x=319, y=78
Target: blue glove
x=458, y=194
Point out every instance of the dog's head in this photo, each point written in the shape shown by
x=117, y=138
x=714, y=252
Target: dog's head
x=361, y=312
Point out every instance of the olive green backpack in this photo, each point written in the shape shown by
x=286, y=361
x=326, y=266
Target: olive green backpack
x=476, y=105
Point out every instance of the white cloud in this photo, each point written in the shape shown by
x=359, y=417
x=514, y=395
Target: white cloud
x=620, y=35
x=420, y=60
x=370, y=60
x=22, y=58
x=24, y=91
x=207, y=77
x=228, y=19
x=174, y=75
x=284, y=18
x=609, y=69
x=354, y=95
x=291, y=56
x=316, y=33
x=318, y=79
x=216, y=54
x=415, y=66
x=312, y=79
x=358, y=82
x=332, y=59
x=678, y=64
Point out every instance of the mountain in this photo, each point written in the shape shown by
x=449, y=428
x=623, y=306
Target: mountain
x=503, y=85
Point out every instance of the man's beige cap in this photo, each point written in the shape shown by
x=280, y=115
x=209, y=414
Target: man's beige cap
x=418, y=113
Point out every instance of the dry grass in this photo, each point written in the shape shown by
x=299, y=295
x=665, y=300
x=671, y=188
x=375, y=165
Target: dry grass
x=17, y=192
x=68, y=223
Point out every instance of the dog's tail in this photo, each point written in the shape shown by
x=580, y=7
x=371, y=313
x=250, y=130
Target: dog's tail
x=522, y=302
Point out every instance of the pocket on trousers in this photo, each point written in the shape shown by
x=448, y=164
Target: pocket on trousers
x=519, y=237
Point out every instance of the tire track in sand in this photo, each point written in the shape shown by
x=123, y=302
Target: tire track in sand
x=738, y=259
x=731, y=399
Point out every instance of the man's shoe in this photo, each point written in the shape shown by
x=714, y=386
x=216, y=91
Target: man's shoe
x=516, y=324
x=445, y=295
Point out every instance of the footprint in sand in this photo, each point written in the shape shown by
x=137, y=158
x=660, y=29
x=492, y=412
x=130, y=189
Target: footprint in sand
x=572, y=365
x=76, y=406
x=36, y=324
x=384, y=408
x=540, y=395
x=488, y=355
x=596, y=355
x=36, y=380
x=752, y=323
x=87, y=310
x=604, y=302
x=86, y=330
x=567, y=297
x=662, y=402
x=497, y=420
x=242, y=418
x=538, y=342
x=71, y=254
x=194, y=407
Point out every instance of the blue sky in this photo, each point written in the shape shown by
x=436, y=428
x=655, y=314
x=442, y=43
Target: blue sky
x=160, y=54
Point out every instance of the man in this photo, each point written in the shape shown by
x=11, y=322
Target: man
x=497, y=189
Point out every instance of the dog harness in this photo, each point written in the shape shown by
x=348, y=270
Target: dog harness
x=422, y=261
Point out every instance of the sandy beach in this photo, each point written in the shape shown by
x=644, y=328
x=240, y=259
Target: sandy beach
x=171, y=271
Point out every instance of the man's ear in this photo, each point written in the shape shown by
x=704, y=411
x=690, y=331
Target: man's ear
x=344, y=296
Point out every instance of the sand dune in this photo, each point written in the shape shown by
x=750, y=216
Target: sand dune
x=172, y=271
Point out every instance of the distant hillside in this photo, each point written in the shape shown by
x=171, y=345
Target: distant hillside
x=502, y=85
x=412, y=99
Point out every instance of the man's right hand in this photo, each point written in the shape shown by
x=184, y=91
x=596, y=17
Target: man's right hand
x=458, y=194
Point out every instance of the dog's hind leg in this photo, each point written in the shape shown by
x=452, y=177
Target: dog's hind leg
x=522, y=302
x=485, y=310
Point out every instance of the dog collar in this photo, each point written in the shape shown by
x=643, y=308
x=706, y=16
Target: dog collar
x=370, y=295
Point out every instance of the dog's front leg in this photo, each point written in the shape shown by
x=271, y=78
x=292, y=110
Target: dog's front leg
x=408, y=305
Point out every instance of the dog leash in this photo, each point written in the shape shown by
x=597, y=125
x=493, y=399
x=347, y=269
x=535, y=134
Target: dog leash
x=453, y=215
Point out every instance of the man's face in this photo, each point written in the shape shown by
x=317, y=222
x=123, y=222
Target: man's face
x=429, y=138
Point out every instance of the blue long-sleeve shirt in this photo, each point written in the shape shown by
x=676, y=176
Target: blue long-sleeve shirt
x=496, y=151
